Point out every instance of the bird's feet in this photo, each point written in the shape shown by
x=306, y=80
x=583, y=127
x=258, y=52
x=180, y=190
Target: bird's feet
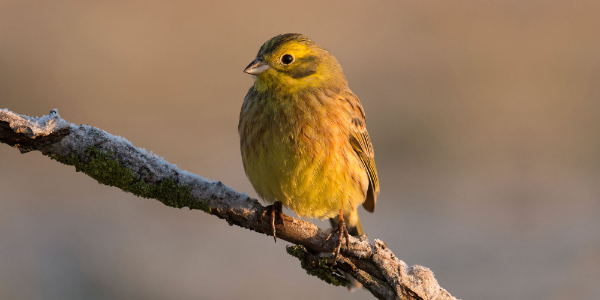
x=275, y=211
x=340, y=230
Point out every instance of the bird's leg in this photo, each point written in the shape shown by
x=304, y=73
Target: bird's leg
x=340, y=230
x=275, y=210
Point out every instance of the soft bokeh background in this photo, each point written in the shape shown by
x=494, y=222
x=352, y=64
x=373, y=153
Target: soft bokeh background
x=484, y=117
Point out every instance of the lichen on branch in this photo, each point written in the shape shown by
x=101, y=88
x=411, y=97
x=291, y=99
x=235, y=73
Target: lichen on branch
x=320, y=267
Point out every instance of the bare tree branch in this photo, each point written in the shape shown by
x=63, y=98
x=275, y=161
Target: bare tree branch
x=114, y=161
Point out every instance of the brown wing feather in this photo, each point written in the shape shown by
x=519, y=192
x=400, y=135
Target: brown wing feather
x=361, y=143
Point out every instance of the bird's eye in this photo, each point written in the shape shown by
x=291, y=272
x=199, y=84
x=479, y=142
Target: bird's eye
x=287, y=59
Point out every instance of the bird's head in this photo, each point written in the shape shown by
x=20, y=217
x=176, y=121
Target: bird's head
x=292, y=62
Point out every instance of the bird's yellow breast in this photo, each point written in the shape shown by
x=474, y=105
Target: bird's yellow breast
x=296, y=150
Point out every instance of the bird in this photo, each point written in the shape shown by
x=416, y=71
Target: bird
x=303, y=136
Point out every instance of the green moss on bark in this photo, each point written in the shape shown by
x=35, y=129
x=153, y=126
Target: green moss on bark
x=316, y=266
x=102, y=165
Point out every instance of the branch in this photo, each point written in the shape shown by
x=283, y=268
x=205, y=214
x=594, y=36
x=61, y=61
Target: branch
x=114, y=161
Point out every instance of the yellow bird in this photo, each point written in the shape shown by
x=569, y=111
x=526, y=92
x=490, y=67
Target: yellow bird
x=303, y=135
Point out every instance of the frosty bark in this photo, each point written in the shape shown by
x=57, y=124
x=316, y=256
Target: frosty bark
x=115, y=161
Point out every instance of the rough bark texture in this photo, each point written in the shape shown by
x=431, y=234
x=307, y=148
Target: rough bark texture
x=115, y=161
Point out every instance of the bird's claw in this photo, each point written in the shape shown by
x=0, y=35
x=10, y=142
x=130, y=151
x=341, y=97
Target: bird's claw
x=275, y=210
x=340, y=230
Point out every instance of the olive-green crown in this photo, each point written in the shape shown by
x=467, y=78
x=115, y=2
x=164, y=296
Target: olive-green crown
x=271, y=45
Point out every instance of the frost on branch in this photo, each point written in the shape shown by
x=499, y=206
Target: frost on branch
x=114, y=161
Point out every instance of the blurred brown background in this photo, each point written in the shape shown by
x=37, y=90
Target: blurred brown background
x=483, y=115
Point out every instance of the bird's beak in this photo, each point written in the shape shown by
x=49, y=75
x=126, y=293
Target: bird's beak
x=256, y=67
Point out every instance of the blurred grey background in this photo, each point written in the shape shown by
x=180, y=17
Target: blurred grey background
x=483, y=115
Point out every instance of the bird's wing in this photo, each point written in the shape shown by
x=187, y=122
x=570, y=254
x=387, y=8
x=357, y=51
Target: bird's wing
x=361, y=143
